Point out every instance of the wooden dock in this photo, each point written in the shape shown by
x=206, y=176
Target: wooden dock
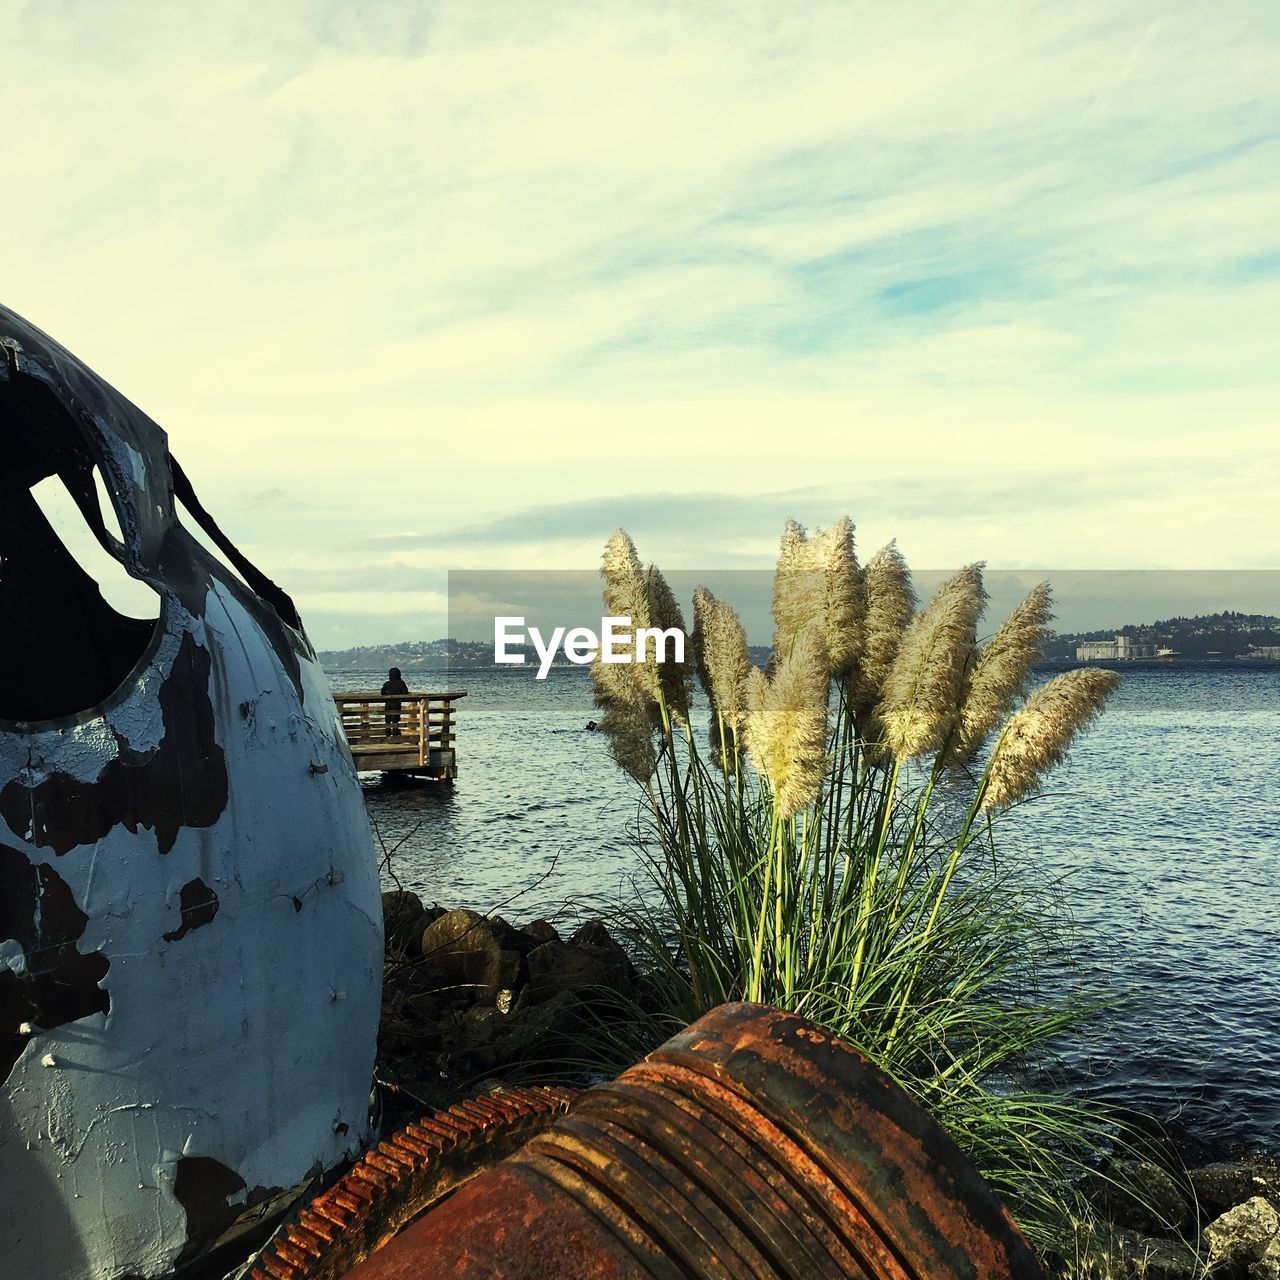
x=421, y=741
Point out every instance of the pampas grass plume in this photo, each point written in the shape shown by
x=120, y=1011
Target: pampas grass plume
x=817, y=583
x=720, y=652
x=671, y=678
x=627, y=719
x=843, y=595
x=1001, y=674
x=796, y=598
x=621, y=570
x=889, y=604
x=786, y=727
x=626, y=592
x=1038, y=735
x=921, y=693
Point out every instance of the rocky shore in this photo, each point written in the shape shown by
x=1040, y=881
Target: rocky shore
x=469, y=998
x=1166, y=1221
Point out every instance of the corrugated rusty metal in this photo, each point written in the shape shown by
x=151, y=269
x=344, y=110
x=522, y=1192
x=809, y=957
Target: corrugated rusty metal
x=754, y=1144
x=404, y=1176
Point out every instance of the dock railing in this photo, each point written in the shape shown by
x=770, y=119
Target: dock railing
x=406, y=732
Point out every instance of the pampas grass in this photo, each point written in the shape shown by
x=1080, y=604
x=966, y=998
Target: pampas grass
x=841, y=866
x=627, y=720
x=843, y=595
x=796, y=599
x=662, y=611
x=652, y=691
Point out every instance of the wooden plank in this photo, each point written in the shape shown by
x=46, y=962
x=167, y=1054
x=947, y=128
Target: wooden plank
x=407, y=707
x=354, y=698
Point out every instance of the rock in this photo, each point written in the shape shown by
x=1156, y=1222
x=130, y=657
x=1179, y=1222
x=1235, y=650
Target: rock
x=1267, y=1267
x=450, y=929
x=1114, y=1253
x=1158, y=1259
x=514, y=939
x=596, y=939
x=539, y=931
x=535, y=1031
x=1140, y=1195
x=462, y=956
x=400, y=901
x=576, y=967
x=476, y=996
x=1227, y=1183
x=504, y=934
x=403, y=919
x=466, y=1036
x=594, y=934
x=418, y=1002
x=411, y=1009
x=482, y=1039
x=1245, y=1234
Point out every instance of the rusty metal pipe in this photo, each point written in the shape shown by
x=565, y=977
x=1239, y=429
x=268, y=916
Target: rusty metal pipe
x=753, y=1144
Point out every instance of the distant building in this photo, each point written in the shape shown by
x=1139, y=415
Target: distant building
x=1271, y=651
x=1121, y=649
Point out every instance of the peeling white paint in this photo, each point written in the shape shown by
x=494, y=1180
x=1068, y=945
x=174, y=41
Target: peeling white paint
x=137, y=466
x=13, y=958
x=251, y=1039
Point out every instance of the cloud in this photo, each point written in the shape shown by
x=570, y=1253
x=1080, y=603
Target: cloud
x=274, y=499
x=428, y=267
x=701, y=523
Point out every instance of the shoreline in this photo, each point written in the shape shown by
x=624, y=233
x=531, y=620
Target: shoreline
x=473, y=1001
x=475, y=1048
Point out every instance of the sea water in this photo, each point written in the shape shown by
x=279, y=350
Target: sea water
x=1165, y=822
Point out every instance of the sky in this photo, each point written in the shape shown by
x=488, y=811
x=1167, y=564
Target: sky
x=433, y=286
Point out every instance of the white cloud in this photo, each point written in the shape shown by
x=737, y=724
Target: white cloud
x=380, y=602
x=415, y=266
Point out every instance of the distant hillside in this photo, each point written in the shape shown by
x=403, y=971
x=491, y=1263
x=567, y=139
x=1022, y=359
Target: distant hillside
x=1218, y=636
x=438, y=655
x=410, y=655
x=1209, y=637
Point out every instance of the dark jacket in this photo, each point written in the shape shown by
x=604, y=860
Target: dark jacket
x=394, y=686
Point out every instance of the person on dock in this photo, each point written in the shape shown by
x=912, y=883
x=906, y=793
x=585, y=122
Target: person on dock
x=391, y=710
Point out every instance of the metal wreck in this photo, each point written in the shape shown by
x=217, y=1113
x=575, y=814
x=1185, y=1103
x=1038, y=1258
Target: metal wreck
x=752, y=1144
x=190, y=920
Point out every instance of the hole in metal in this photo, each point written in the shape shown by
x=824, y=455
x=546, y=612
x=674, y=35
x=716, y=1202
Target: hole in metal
x=67, y=637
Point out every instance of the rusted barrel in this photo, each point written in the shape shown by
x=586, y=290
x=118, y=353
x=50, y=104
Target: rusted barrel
x=754, y=1144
